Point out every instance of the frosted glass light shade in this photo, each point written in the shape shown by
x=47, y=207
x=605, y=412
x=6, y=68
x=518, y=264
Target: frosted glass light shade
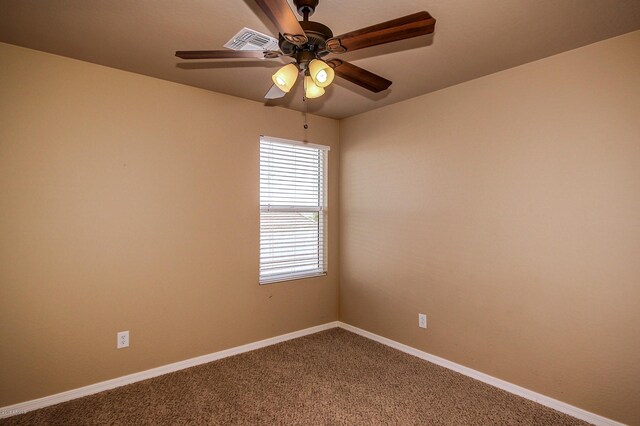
x=311, y=90
x=286, y=77
x=321, y=73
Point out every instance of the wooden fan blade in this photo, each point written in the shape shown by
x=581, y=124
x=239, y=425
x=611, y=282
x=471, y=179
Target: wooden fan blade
x=283, y=17
x=359, y=76
x=224, y=54
x=409, y=26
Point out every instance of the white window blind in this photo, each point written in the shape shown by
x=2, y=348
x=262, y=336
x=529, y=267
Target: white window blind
x=292, y=210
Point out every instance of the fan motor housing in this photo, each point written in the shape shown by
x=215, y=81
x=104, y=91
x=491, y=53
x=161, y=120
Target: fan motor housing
x=316, y=33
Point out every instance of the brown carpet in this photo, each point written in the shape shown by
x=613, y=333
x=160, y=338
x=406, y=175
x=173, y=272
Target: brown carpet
x=330, y=378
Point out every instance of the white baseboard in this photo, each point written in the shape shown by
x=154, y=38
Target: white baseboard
x=35, y=404
x=576, y=412
x=565, y=408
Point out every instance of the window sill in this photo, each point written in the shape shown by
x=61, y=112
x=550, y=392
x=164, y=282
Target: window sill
x=292, y=278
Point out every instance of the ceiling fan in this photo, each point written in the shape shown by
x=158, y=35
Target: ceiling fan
x=308, y=42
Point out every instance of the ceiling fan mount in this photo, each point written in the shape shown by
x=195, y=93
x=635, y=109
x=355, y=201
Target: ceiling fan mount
x=308, y=42
x=316, y=33
x=306, y=7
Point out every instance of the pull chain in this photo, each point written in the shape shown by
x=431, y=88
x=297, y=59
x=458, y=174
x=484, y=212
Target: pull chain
x=304, y=100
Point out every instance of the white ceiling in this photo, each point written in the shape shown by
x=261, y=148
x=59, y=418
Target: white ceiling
x=472, y=38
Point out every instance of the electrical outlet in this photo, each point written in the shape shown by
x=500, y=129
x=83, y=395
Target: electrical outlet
x=123, y=339
x=422, y=321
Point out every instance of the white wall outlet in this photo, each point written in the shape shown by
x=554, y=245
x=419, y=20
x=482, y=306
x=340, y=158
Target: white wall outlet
x=123, y=339
x=422, y=321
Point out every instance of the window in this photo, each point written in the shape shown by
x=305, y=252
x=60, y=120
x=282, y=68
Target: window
x=292, y=210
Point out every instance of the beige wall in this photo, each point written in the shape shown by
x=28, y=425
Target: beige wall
x=508, y=210
x=130, y=203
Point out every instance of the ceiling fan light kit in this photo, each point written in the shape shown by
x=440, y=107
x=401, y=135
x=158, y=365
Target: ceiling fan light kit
x=308, y=42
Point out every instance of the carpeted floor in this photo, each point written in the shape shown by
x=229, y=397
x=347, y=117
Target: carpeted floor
x=330, y=378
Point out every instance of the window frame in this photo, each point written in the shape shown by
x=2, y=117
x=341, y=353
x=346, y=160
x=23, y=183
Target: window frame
x=321, y=209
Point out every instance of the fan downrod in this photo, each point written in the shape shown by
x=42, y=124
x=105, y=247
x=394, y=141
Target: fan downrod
x=306, y=7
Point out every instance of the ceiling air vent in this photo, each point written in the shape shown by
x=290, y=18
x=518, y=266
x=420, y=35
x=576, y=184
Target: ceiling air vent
x=248, y=39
